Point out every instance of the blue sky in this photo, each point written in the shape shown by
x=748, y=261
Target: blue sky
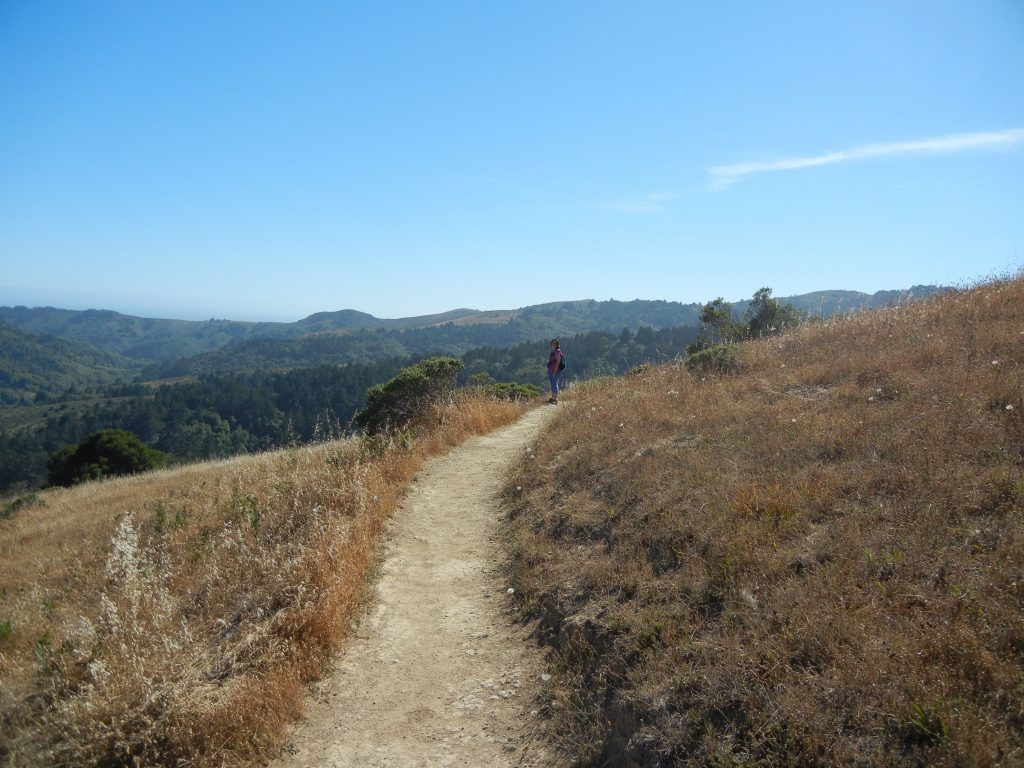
x=267, y=160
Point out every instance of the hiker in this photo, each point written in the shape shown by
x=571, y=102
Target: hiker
x=555, y=367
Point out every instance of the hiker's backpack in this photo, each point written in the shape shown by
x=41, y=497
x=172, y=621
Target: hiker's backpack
x=561, y=362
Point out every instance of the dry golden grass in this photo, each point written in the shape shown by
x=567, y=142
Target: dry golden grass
x=172, y=618
x=816, y=561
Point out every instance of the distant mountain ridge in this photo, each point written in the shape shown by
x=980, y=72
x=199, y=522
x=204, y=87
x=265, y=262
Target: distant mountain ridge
x=828, y=303
x=159, y=341
x=152, y=340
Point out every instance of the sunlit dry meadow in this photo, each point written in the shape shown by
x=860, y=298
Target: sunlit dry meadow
x=817, y=559
x=173, y=618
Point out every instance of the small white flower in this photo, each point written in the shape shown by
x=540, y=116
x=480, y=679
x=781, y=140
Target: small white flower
x=621, y=424
x=1009, y=407
x=871, y=398
x=995, y=362
x=793, y=420
x=519, y=487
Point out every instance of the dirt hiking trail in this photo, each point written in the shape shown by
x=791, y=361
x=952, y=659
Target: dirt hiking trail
x=437, y=673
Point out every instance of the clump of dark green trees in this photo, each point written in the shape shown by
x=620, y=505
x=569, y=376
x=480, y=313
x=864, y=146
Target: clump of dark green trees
x=398, y=403
x=719, y=329
x=403, y=402
x=107, y=453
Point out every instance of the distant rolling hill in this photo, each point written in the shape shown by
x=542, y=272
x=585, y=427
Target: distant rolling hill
x=34, y=364
x=154, y=340
x=828, y=303
x=140, y=338
x=454, y=337
x=184, y=347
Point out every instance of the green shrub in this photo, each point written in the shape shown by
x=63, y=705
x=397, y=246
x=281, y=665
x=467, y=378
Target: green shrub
x=107, y=453
x=765, y=316
x=10, y=506
x=405, y=399
x=717, y=359
x=512, y=391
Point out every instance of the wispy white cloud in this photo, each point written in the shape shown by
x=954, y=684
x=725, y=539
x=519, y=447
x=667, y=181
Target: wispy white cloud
x=653, y=203
x=724, y=176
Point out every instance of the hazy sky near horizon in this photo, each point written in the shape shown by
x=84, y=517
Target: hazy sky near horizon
x=268, y=160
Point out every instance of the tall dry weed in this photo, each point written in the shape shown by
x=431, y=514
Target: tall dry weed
x=818, y=560
x=173, y=618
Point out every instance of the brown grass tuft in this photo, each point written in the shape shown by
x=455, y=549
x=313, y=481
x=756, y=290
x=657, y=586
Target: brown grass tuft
x=816, y=561
x=172, y=618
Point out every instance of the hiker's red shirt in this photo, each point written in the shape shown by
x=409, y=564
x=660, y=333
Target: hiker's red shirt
x=553, y=360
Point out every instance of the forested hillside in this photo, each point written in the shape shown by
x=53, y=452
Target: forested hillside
x=35, y=368
x=588, y=354
x=221, y=414
x=365, y=346
x=140, y=338
x=155, y=340
x=215, y=416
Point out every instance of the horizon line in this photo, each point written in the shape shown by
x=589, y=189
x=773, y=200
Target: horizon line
x=222, y=318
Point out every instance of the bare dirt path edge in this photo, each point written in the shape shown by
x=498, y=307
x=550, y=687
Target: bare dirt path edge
x=438, y=673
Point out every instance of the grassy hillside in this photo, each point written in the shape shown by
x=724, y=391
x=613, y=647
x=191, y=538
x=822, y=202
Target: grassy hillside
x=817, y=559
x=33, y=364
x=172, y=618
